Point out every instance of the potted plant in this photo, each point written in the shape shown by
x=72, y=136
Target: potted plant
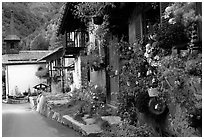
x=42, y=72
x=98, y=20
x=156, y=106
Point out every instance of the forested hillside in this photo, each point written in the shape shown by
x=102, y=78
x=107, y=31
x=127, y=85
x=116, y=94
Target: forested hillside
x=34, y=22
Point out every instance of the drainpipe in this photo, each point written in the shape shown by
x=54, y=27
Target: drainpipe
x=50, y=63
x=62, y=74
x=7, y=83
x=108, y=95
x=63, y=62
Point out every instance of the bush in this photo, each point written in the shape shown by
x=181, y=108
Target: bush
x=94, y=97
x=126, y=130
x=134, y=82
x=171, y=35
x=194, y=66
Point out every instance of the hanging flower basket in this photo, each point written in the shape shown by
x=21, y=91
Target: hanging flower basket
x=98, y=20
x=42, y=72
x=153, y=92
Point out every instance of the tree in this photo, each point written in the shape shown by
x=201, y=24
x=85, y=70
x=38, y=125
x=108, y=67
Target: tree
x=40, y=43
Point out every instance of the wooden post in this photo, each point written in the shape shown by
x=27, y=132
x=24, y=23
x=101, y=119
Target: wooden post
x=51, y=76
x=108, y=95
x=62, y=71
x=63, y=62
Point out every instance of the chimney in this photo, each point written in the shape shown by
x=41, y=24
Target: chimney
x=12, y=24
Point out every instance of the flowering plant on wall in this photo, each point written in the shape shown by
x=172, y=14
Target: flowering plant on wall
x=95, y=61
x=85, y=10
x=94, y=96
x=184, y=14
x=42, y=72
x=134, y=80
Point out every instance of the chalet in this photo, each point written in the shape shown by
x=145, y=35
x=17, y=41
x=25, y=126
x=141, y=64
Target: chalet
x=67, y=61
x=61, y=70
x=129, y=19
x=129, y=22
x=132, y=20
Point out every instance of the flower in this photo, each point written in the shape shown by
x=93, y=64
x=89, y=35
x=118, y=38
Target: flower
x=172, y=21
x=149, y=72
x=128, y=83
x=95, y=86
x=136, y=82
x=139, y=74
x=148, y=46
x=169, y=9
x=156, y=57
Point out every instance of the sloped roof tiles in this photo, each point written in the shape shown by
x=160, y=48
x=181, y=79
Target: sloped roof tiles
x=23, y=57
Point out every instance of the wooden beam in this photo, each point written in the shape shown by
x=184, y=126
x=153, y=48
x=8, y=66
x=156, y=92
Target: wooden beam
x=69, y=56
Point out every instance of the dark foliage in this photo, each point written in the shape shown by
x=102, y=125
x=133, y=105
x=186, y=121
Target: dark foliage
x=172, y=35
x=29, y=21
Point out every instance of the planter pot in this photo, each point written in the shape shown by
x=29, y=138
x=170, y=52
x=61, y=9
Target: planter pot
x=156, y=107
x=98, y=20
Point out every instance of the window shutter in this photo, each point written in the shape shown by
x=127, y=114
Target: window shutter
x=163, y=6
x=138, y=27
x=199, y=12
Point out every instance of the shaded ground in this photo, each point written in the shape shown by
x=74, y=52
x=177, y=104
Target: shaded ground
x=18, y=120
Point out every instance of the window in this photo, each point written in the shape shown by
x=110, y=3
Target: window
x=76, y=39
x=12, y=45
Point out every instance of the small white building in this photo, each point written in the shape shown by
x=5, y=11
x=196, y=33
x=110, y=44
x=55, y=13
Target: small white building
x=19, y=67
x=20, y=70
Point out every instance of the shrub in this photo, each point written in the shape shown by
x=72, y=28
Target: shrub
x=94, y=97
x=126, y=130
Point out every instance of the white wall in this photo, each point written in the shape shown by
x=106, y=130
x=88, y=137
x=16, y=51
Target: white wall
x=22, y=77
x=77, y=73
x=98, y=78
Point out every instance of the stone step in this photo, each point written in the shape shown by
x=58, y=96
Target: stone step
x=86, y=130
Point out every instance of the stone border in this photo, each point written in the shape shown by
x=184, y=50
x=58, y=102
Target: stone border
x=33, y=102
x=91, y=129
x=16, y=101
x=85, y=130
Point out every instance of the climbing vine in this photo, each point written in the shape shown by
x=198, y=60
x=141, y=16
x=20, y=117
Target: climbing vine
x=152, y=72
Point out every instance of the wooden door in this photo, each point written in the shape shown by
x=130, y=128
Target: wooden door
x=114, y=78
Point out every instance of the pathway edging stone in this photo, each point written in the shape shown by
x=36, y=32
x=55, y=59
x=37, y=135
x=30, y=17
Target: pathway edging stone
x=89, y=129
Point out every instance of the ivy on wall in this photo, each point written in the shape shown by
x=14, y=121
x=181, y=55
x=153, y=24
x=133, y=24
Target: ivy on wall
x=151, y=63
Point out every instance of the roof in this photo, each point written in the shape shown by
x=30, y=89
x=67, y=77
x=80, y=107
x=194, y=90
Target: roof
x=24, y=57
x=69, y=52
x=61, y=12
x=12, y=38
x=67, y=20
x=55, y=54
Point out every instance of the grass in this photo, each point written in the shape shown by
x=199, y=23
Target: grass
x=70, y=108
